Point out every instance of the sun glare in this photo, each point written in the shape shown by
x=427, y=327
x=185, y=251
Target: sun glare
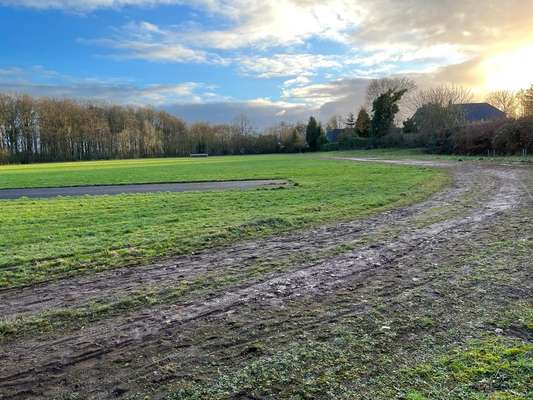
x=513, y=70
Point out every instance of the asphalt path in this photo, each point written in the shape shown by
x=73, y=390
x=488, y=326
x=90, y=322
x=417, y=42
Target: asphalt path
x=10, y=194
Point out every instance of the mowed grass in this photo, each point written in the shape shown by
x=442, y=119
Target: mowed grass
x=42, y=239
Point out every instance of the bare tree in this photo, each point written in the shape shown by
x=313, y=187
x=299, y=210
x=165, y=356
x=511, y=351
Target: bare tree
x=436, y=108
x=525, y=100
x=504, y=100
x=443, y=96
x=377, y=87
x=242, y=125
x=350, y=121
x=64, y=130
x=290, y=137
x=335, y=122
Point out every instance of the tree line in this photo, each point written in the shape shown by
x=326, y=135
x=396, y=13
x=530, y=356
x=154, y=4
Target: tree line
x=44, y=129
x=432, y=118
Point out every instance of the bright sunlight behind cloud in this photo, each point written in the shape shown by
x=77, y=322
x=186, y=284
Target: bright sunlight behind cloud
x=306, y=53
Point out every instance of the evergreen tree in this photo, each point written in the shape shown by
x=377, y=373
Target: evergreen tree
x=314, y=134
x=321, y=136
x=385, y=107
x=362, y=125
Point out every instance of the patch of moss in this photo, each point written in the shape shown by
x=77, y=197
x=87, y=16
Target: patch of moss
x=490, y=368
x=493, y=368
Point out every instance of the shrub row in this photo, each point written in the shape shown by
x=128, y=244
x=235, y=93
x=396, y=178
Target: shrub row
x=503, y=137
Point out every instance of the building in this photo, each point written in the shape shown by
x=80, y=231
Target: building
x=479, y=112
x=333, y=135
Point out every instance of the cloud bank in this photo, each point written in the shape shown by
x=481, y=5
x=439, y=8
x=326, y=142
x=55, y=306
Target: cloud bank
x=323, y=51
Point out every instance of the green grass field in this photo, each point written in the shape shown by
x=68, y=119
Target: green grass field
x=51, y=238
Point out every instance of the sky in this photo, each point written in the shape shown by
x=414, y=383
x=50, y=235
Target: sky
x=271, y=60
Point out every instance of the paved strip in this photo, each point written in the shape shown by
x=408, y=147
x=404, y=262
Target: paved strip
x=10, y=194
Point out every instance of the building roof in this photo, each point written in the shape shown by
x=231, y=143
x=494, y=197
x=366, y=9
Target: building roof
x=333, y=135
x=475, y=112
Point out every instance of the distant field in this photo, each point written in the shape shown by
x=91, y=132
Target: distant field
x=50, y=238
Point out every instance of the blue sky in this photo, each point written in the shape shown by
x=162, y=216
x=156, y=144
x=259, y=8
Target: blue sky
x=269, y=59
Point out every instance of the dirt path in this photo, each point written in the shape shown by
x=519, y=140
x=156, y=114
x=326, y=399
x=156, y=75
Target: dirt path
x=10, y=194
x=133, y=352
x=422, y=163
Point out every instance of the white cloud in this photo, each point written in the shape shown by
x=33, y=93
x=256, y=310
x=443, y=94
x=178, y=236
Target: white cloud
x=38, y=81
x=435, y=41
x=280, y=22
x=83, y=5
x=374, y=55
x=424, y=23
x=156, y=52
x=298, y=81
x=265, y=101
x=319, y=94
x=285, y=65
x=266, y=22
x=274, y=22
x=147, y=41
x=269, y=23
x=262, y=112
x=381, y=37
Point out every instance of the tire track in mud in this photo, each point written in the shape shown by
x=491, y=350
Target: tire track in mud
x=34, y=366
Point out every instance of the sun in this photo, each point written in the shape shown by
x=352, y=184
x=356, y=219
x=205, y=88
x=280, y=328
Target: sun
x=512, y=70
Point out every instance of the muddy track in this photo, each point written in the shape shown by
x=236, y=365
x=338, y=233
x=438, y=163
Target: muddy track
x=93, y=358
